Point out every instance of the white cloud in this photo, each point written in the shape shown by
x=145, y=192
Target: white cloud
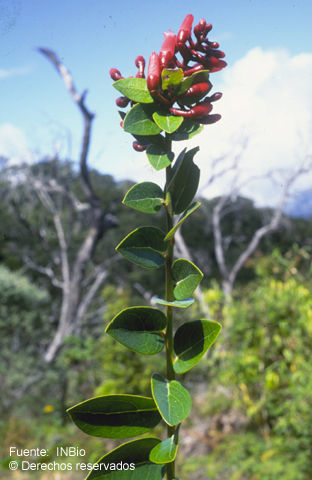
x=267, y=99
x=14, y=72
x=13, y=144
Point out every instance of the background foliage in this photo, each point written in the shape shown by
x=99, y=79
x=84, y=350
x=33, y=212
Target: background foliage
x=254, y=391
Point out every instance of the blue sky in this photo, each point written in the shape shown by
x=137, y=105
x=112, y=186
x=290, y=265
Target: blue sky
x=92, y=36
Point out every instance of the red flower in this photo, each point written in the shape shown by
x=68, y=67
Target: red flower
x=167, y=50
x=185, y=30
x=153, y=73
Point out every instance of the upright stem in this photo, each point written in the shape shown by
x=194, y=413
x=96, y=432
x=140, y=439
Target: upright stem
x=169, y=297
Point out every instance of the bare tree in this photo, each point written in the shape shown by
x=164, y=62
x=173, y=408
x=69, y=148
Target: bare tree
x=229, y=273
x=72, y=270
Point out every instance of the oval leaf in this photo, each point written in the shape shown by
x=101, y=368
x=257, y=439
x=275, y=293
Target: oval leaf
x=187, y=277
x=171, y=77
x=144, y=246
x=197, y=77
x=135, y=89
x=172, y=399
x=146, y=197
x=136, y=455
x=187, y=130
x=115, y=416
x=184, y=181
x=191, y=341
x=166, y=451
x=183, y=217
x=147, y=140
x=168, y=123
x=137, y=328
x=158, y=157
x=139, y=121
x=186, y=302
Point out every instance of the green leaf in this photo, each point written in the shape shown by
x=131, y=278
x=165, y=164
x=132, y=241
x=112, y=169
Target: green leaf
x=187, y=130
x=172, y=399
x=186, y=302
x=184, y=181
x=139, y=121
x=146, y=197
x=157, y=140
x=197, y=77
x=166, y=451
x=171, y=77
x=115, y=416
x=137, y=328
x=158, y=157
x=168, y=123
x=187, y=277
x=191, y=341
x=135, y=89
x=129, y=461
x=144, y=246
x=183, y=217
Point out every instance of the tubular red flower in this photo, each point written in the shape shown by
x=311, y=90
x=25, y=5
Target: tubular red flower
x=200, y=28
x=115, y=74
x=153, y=73
x=215, y=66
x=185, y=30
x=140, y=64
x=167, y=50
x=209, y=119
x=138, y=147
x=196, y=68
x=194, y=93
x=198, y=111
x=215, y=97
x=122, y=102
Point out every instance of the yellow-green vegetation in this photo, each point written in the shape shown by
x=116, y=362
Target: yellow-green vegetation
x=265, y=370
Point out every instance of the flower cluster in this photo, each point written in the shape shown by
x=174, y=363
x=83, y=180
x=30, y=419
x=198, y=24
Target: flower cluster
x=188, y=58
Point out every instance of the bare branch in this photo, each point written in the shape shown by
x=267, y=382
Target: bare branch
x=65, y=74
x=148, y=296
x=87, y=118
x=55, y=187
x=47, y=271
x=229, y=275
x=98, y=280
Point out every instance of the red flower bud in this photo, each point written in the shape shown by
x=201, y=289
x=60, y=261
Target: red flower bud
x=121, y=123
x=199, y=28
x=139, y=61
x=140, y=64
x=185, y=30
x=115, y=74
x=122, y=102
x=209, y=119
x=167, y=50
x=218, y=53
x=216, y=96
x=196, y=68
x=215, y=65
x=196, y=112
x=208, y=27
x=138, y=147
x=153, y=73
x=194, y=93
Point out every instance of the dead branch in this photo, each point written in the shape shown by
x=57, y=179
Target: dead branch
x=230, y=274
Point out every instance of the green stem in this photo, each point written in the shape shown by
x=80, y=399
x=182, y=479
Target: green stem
x=169, y=332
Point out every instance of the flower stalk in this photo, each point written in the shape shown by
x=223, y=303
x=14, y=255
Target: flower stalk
x=171, y=104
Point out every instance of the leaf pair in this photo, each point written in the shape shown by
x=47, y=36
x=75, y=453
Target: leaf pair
x=140, y=329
